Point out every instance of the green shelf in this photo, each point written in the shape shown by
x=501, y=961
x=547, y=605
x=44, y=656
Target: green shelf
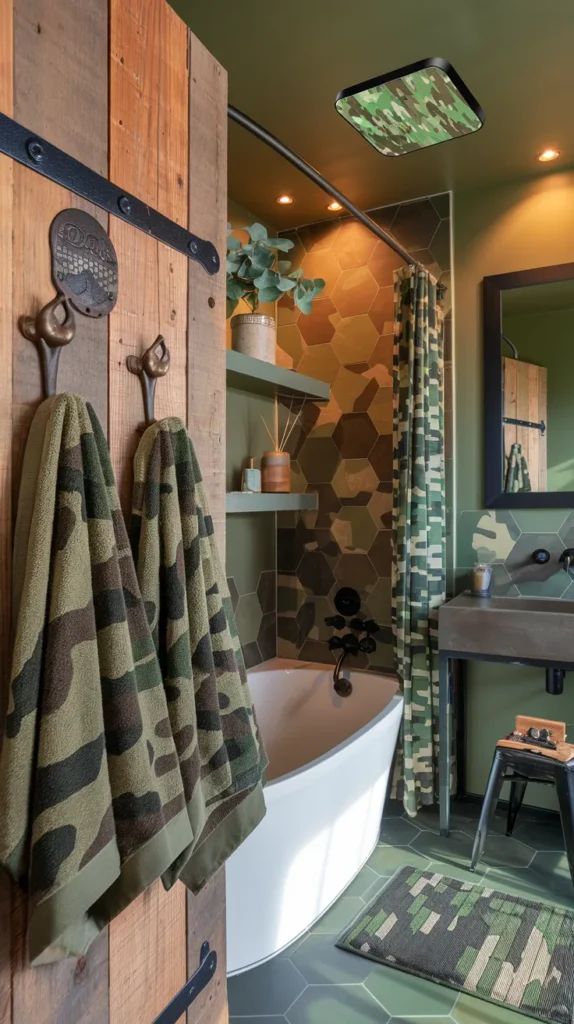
x=263, y=378
x=241, y=501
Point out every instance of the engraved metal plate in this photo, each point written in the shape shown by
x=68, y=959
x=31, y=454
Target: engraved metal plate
x=84, y=262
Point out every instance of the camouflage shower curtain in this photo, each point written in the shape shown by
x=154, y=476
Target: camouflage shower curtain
x=419, y=562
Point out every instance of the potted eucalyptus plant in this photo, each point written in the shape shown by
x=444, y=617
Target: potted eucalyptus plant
x=256, y=274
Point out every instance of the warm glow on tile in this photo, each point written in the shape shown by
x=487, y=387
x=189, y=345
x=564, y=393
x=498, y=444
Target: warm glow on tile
x=334, y=206
x=285, y=200
x=548, y=154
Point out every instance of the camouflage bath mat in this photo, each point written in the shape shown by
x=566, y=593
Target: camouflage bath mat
x=507, y=949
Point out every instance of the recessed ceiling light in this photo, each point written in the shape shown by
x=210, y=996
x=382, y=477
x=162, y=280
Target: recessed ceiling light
x=548, y=154
x=334, y=206
x=414, y=107
x=285, y=200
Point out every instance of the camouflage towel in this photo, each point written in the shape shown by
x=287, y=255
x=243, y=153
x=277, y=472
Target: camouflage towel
x=221, y=757
x=510, y=950
x=91, y=793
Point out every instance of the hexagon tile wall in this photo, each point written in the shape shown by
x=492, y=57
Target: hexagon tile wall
x=343, y=450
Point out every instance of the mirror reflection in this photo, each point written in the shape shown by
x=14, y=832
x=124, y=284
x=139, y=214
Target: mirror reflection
x=537, y=326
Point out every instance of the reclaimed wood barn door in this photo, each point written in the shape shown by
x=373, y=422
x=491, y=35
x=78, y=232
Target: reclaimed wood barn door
x=525, y=399
x=125, y=88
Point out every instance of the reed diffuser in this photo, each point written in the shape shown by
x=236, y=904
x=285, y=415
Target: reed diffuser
x=276, y=464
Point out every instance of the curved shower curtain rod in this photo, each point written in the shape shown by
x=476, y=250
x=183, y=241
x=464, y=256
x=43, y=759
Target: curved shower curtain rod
x=270, y=140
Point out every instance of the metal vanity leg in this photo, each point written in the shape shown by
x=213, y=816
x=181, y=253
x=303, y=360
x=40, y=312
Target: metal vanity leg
x=444, y=742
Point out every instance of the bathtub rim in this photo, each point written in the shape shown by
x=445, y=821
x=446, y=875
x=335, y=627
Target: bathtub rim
x=397, y=698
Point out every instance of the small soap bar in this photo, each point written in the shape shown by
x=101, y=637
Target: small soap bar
x=251, y=479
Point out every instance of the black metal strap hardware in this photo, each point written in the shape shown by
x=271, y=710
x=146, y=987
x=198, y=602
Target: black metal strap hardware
x=190, y=991
x=526, y=423
x=32, y=151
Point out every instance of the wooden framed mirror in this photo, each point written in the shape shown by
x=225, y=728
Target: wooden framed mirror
x=529, y=388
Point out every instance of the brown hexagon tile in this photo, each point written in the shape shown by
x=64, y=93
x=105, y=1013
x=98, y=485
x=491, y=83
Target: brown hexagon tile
x=382, y=311
x=384, y=215
x=355, y=339
x=322, y=609
x=381, y=457
x=328, y=504
x=415, y=224
x=287, y=313
x=441, y=203
x=233, y=592
x=383, y=353
x=380, y=600
x=354, y=476
x=381, y=411
x=316, y=539
x=317, y=328
x=366, y=397
x=267, y=591
x=380, y=505
x=381, y=553
x=382, y=263
x=445, y=280
x=282, y=359
x=320, y=362
x=298, y=482
x=357, y=367
x=353, y=244
x=290, y=593
x=296, y=440
x=354, y=529
x=354, y=292
x=297, y=253
x=289, y=549
x=267, y=636
x=315, y=573
x=319, y=236
x=317, y=653
x=319, y=459
x=347, y=388
x=356, y=570
x=322, y=264
x=355, y=435
x=251, y=654
x=329, y=416
x=289, y=339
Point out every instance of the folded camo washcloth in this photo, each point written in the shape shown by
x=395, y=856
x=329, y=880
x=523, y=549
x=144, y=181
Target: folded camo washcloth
x=184, y=589
x=92, y=796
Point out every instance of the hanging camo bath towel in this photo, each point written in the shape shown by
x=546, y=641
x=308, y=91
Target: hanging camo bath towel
x=91, y=793
x=222, y=760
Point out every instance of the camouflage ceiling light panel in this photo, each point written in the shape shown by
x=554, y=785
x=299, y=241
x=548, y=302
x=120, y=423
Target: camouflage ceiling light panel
x=417, y=106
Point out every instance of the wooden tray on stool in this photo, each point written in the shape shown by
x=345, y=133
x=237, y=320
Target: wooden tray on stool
x=557, y=734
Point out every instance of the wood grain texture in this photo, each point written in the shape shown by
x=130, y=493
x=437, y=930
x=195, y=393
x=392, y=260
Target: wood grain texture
x=206, y=416
x=208, y=219
x=206, y=921
x=6, y=200
x=148, y=156
x=54, y=96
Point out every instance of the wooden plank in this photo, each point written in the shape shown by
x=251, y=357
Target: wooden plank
x=206, y=921
x=6, y=199
x=208, y=219
x=148, y=156
x=533, y=457
x=206, y=415
x=543, y=407
x=54, y=96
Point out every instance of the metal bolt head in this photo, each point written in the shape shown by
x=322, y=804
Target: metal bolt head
x=193, y=247
x=214, y=259
x=125, y=205
x=35, y=150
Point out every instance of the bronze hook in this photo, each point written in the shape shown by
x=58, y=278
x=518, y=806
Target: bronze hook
x=153, y=364
x=49, y=336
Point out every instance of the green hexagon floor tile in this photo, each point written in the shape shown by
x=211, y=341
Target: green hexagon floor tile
x=397, y=832
x=386, y=859
x=456, y=849
x=361, y=882
x=336, y=1004
x=402, y=993
x=321, y=963
x=269, y=989
x=547, y=836
x=471, y=1010
x=339, y=915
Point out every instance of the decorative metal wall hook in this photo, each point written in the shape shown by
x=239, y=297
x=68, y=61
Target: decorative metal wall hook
x=49, y=335
x=153, y=364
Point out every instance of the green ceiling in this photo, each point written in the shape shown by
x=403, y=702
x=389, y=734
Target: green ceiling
x=286, y=63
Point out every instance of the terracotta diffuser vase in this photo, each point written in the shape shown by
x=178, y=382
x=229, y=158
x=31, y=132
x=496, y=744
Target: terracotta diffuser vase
x=276, y=472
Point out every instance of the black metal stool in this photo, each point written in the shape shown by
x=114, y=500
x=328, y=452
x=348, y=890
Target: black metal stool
x=522, y=767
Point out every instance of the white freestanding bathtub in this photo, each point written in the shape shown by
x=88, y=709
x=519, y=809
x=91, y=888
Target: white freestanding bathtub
x=329, y=763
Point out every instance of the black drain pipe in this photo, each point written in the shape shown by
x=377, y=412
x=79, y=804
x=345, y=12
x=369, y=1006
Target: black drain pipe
x=270, y=140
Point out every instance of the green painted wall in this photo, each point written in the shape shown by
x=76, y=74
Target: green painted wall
x=547, y=339
x=509, y=227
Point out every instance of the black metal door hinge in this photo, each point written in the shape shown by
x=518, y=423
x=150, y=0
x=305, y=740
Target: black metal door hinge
x=190, y=991
x=33, y=152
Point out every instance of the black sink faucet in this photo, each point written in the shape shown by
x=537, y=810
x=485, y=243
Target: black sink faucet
x=567, y=559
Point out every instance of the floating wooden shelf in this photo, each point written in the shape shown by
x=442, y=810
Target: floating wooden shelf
x=240, y=501
x=263, y=378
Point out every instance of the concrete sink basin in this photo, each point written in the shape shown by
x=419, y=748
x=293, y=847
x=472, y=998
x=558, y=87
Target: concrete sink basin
x=525, y=628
